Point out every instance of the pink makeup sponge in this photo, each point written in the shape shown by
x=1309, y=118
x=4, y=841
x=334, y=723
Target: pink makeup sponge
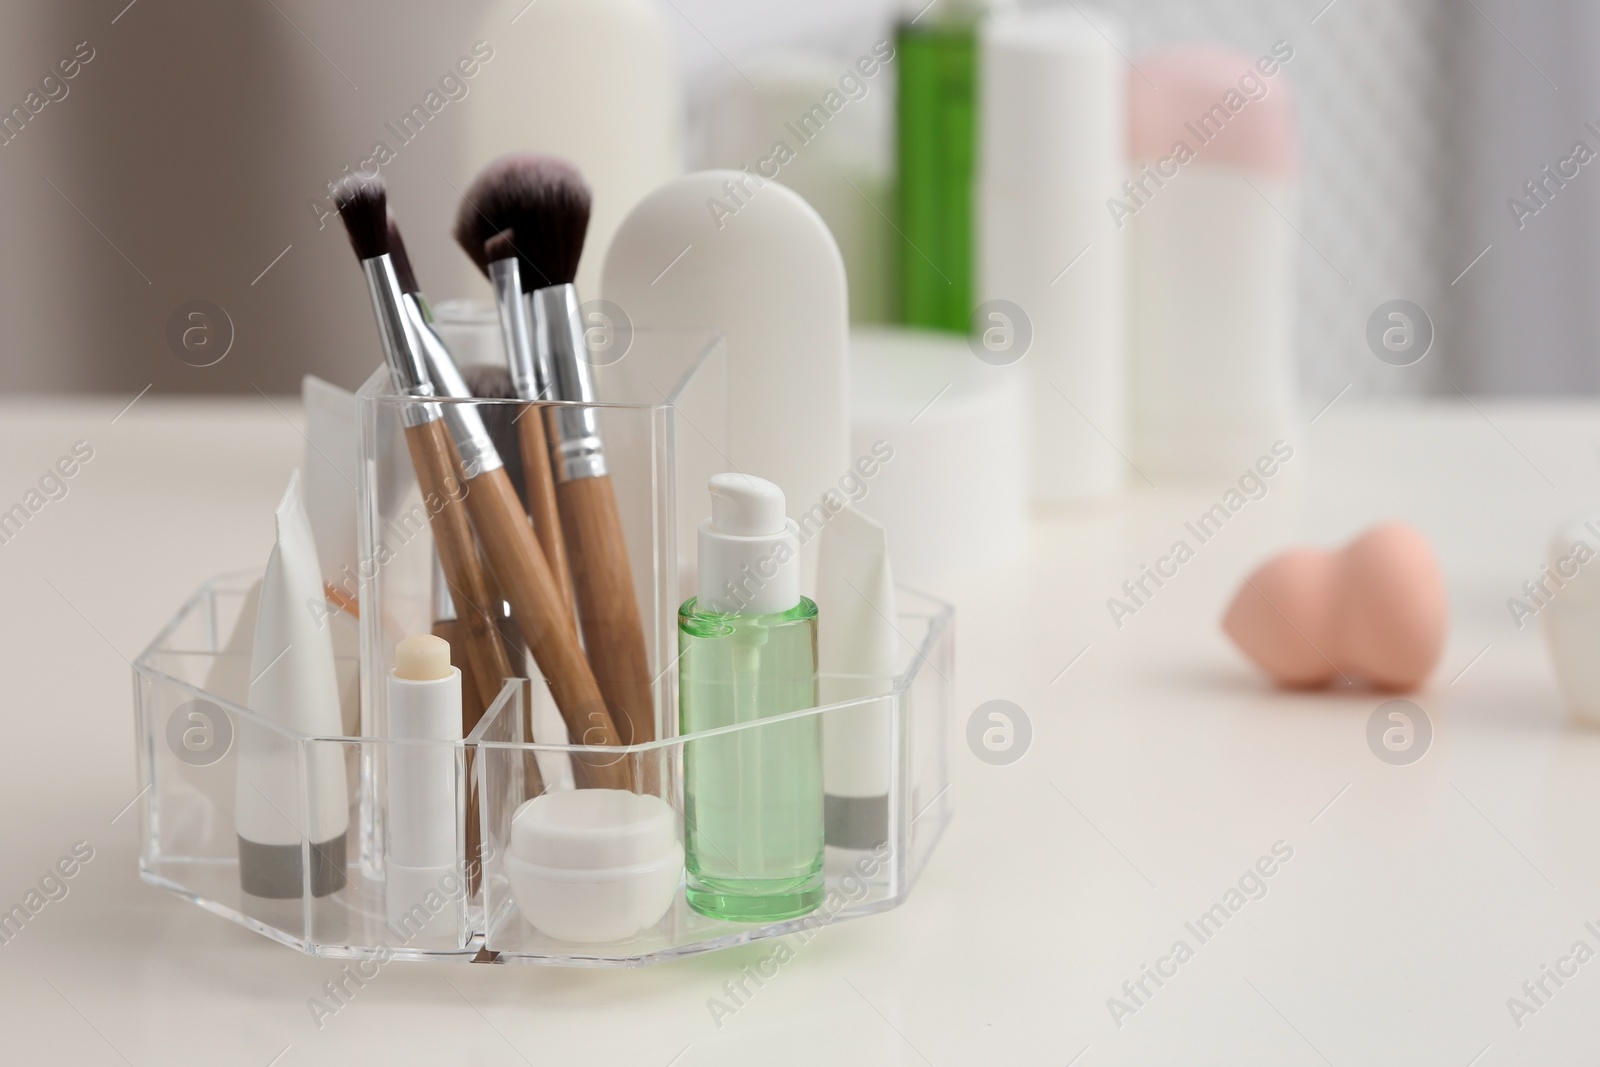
x=1279, y=617
x=1374, y=611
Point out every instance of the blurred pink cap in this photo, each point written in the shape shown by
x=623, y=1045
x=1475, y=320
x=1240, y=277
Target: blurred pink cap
x=1190, y=81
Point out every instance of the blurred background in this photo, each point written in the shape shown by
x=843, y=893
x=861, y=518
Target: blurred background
x=187, y=155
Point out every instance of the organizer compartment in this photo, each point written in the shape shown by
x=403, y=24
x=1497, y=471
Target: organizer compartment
x=666, y=434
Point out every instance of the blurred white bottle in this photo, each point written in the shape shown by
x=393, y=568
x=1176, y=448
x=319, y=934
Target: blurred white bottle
x=833, y=114
x=1051, y=145
x=1214, y=181
x=593, y=81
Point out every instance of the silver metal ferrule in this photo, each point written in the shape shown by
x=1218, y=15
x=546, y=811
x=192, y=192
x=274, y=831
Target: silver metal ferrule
x=402, y=347
x=560, y=346
x=516, y=330
x=473, y=443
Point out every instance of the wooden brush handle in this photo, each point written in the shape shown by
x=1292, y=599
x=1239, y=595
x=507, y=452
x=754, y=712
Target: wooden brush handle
x=603, y=583
x=472, y=705
x=541, y=482
x=511, y=635
x=521, y=568
x=434, y=457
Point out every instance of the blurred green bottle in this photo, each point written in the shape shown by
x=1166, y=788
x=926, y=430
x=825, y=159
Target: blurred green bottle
x=936, y=48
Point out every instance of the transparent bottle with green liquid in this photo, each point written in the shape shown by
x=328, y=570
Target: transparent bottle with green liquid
x=753, y=799
x=936, y=50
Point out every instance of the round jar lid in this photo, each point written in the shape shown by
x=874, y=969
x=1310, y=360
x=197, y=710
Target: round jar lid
x=593, y=829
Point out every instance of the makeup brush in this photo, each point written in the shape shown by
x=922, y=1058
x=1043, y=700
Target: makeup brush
x=420, y=362
x=516, y=561
x=496, y=256
x=364, y=213
x=495, y=420
x=488, y=382
x=544, y=204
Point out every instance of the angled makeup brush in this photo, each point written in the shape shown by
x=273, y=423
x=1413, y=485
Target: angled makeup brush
x=420, y=362
x=544, y=204
x=497, y=258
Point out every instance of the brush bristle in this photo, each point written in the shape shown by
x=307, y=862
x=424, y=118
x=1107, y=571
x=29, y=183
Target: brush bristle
x=544, y=199
x=489, y=382
x=364, y=210
x=402, y=262
x=469, y=232
x=501, y=246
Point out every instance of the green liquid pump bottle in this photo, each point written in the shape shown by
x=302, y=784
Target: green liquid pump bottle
x=936, y=49
x=753, y=801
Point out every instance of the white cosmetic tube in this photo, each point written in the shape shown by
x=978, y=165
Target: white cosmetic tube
x=1212, y=188
x=278, y=809
x=423, y=855
x=856, y=647
x=1053, y=101
x=592, y=81
x=329, y=475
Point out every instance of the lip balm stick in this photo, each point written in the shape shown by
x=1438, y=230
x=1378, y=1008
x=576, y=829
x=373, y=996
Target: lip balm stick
x=424, y=706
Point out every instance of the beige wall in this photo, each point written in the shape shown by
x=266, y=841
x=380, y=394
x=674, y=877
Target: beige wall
x=193, y=142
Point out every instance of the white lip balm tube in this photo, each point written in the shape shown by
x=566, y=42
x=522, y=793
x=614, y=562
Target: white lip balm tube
x=423, y=889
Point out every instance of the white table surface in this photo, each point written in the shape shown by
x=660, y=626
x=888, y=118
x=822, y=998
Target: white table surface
x=1161, y=767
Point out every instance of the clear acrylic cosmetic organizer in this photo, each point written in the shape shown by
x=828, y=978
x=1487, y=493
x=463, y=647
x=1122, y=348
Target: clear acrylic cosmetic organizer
x=665, y=435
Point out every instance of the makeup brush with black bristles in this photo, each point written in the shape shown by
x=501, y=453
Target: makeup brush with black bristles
x=418, y=358
x=544, y=200
x=536, y=430
x=540, y=206
x=363, y=208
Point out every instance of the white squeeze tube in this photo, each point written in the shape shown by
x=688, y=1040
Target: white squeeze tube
x=856, y=659
x=423, y=856
x=293, y=683
x=328, y=485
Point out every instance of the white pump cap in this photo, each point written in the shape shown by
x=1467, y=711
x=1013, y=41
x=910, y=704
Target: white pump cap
x=749, y=550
